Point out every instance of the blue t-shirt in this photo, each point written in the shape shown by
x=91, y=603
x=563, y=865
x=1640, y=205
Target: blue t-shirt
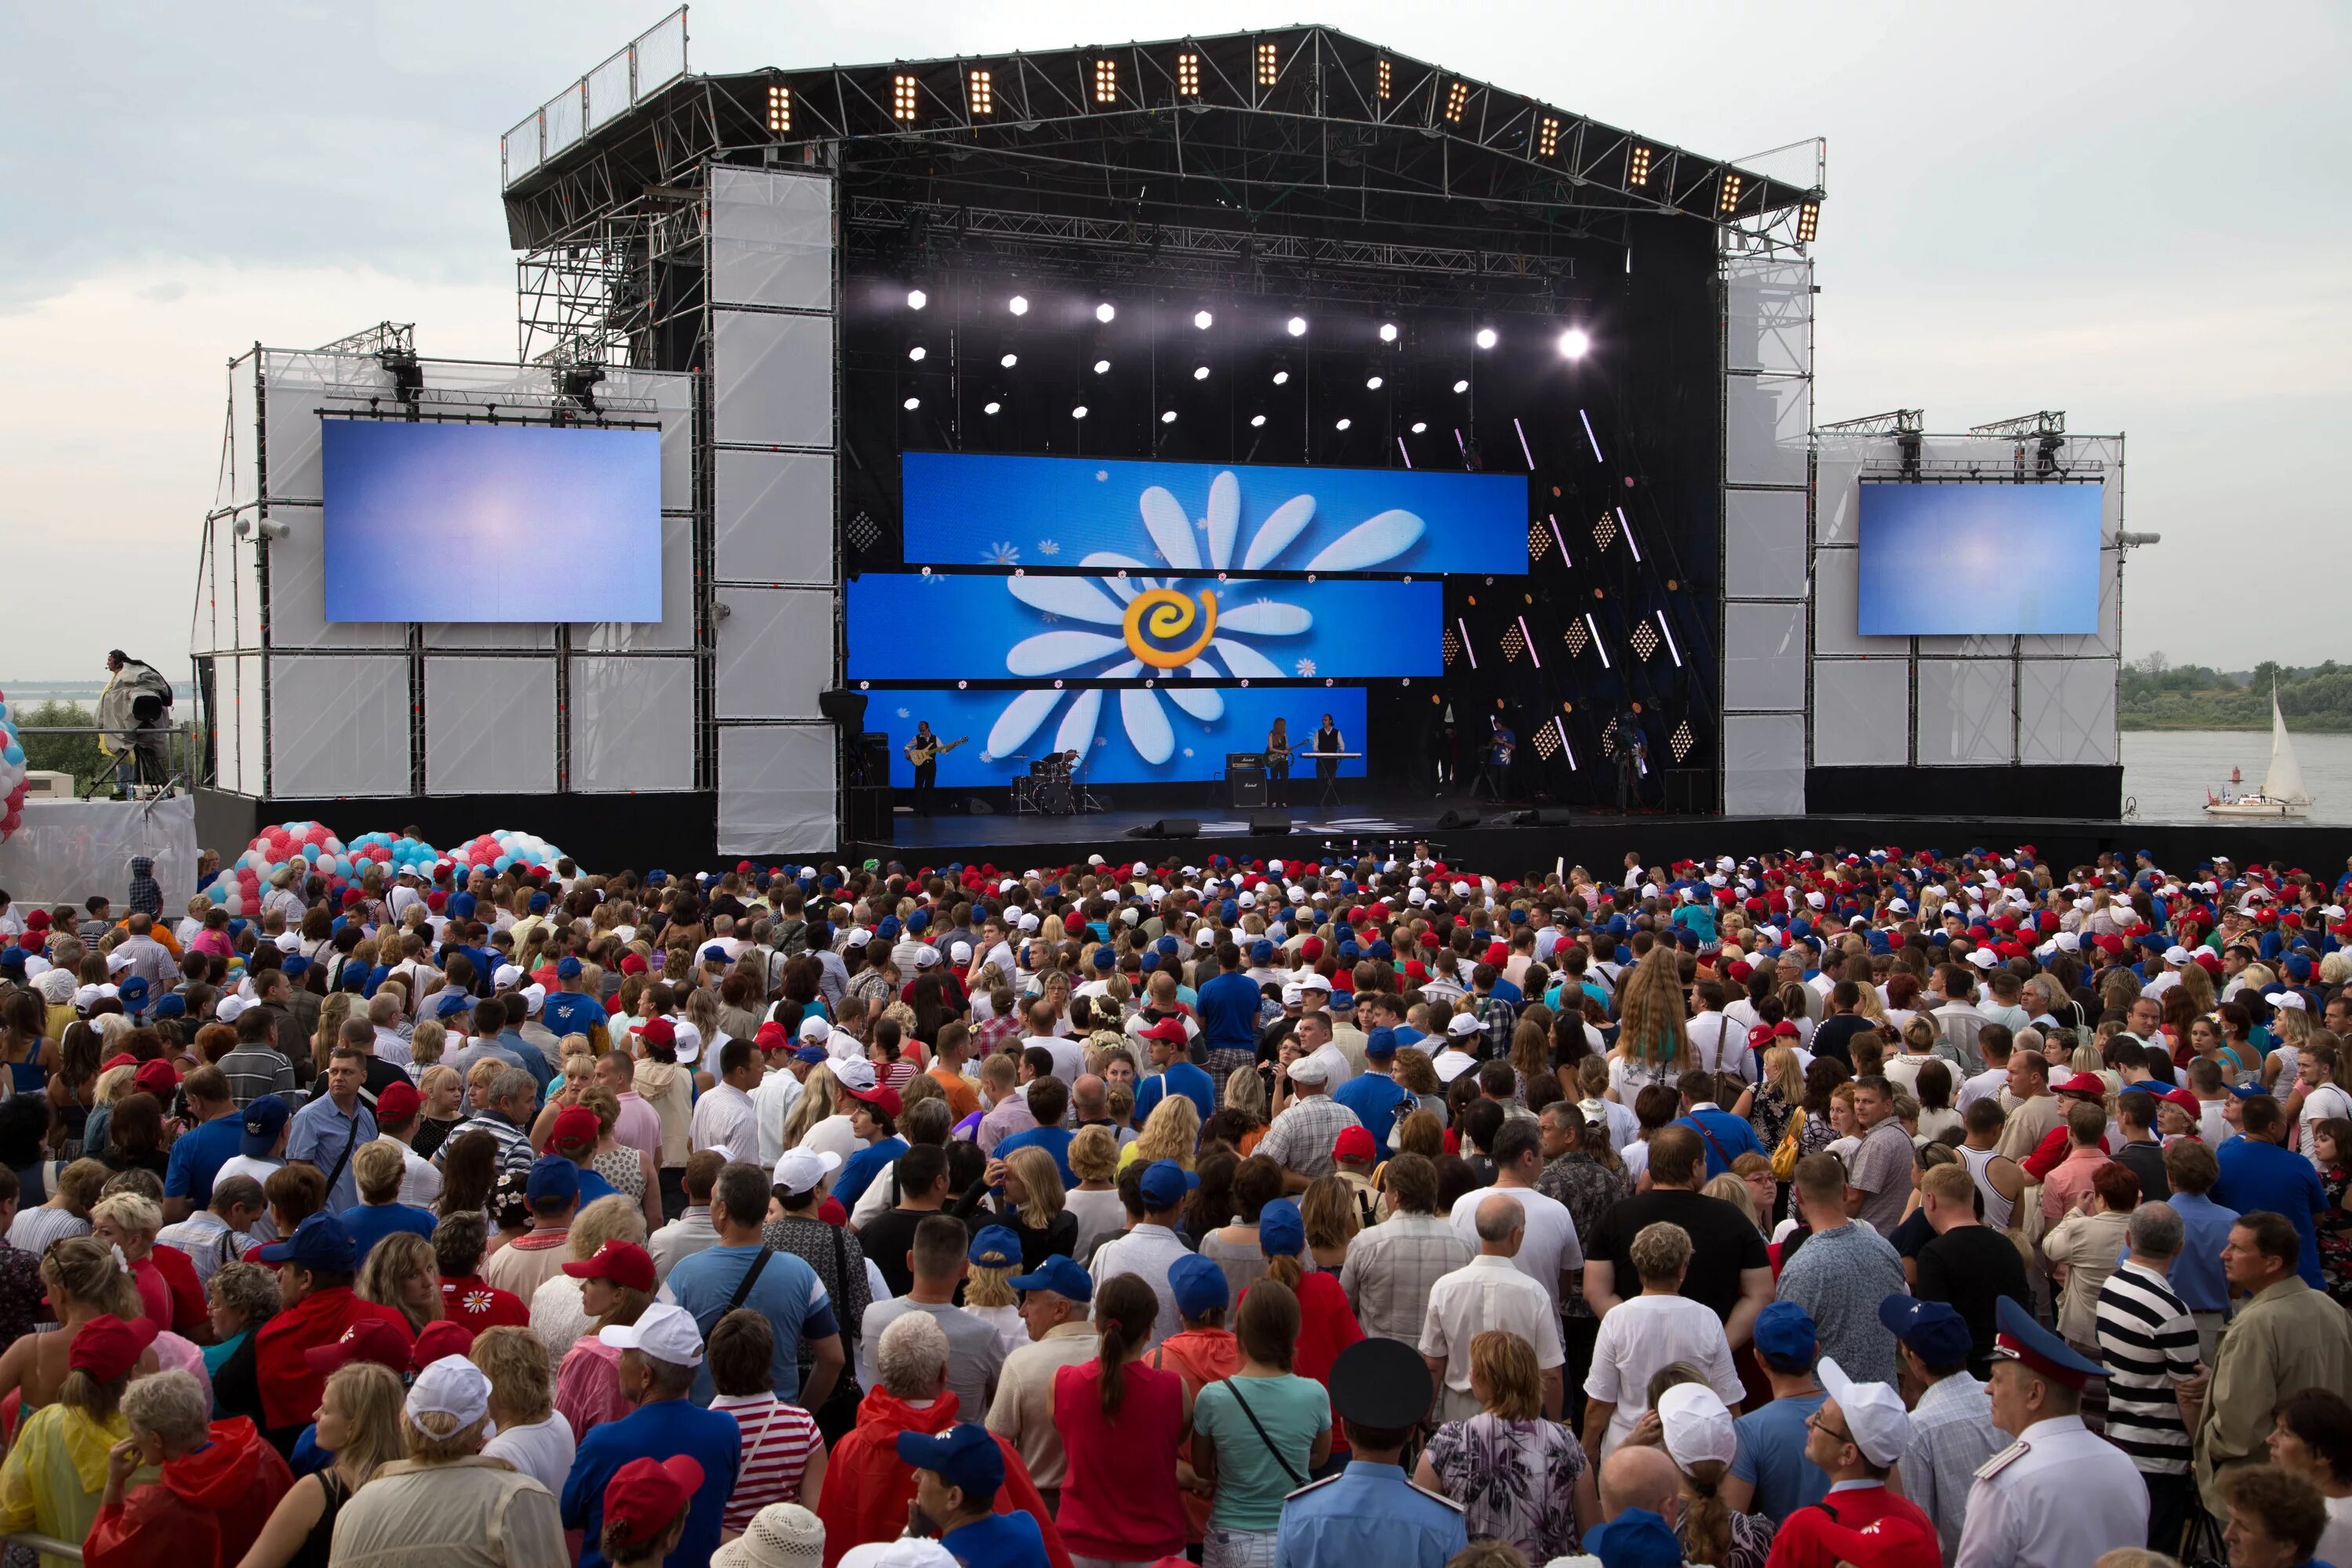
x=858, y=1171
x=1724, y=1136
x=1227, y=1009
x=1374, y=1099
x=1000, y=1540
x=371, y=1222
x=2257, y=1174
x=197, y=1156
x=571, y=1013
x=656, y=1431
x=788, y=1294
x=1772, y=1457
x=1055, y=1141
x=1182, y=1078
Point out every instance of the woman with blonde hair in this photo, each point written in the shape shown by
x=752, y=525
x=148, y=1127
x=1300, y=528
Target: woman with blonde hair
x=446, y=1497
x=816, y=1120
x=56, y=1470
x=558, y=1313
x=1094, y=1160
x=333, y=1012
x=532, y=1436
x=1777, y=1101
x=1332, y=1216
x=1518, y=1476
x=616, y=1285
x=1173, y=1131
x=988, y=1294
x=1695, y=1430
x=1035, y=1209
x=1245, y=1093
x=1653, y=1030
x=403, y=1272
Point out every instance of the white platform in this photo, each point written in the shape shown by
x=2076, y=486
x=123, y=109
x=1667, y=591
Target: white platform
x=67, y=850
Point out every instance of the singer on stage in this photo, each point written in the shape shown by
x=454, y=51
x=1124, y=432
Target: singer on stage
x=1327, y=767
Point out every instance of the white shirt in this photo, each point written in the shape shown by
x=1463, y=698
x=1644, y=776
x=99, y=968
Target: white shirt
x=1146, y=1251
x=724, y=1120
x=422, y=1185
x=771, y=1102
x=2318, y=1105
x=542, y=1450
x=1069, y=1056
x=1641, y=1336
x=1721, y=1046
x=1548, y=1245
x=1624, y=1127
x=1335, y=1062
x=2069, y=1497
x=1486, y=1293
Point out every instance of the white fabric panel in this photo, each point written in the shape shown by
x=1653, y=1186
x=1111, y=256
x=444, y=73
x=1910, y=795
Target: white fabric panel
x=773, y=517
x=203, y=629
x=1764, y=544
x=772, y=379
x=775, y=652
x=1764, y=765
x=2066, y=710
x=632, y=724
x=1862, y=712
x=1837, y=608
x=65, y=850
x=298, y=590
x=342, y=725
x=1965, y=712
x=246, y=710
x=1837, y=486
x=771, y=238
x=673, y=633
x=247, y=573
x=244, y=476
x=1763, y=656
x=521, y=637
x=1971, y=647
x=489, y=726
x=1769, y=316
x=776, y=789
x=293, y=393
x=1767, y=429
x=2109, y=642
x=673, y=395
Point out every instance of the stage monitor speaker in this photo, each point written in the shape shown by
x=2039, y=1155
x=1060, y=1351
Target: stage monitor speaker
x=869, y=760
x=1168, y=828
x=1458, y=817
x=1268, y=822
x=843, y=707
x=1548, y=817
x=975, y=806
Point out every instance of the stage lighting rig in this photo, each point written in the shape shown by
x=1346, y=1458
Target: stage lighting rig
x=1296, y=326
x=1018, y=304
x=1009, y=361
x=1575, y=343
x=1204, y=319
x=916, y=299
x=407, y=375
x=1388, y=332
x=1106, y=312
x=1486, y=338
x=579, y=385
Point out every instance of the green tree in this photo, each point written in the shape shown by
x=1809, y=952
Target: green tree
x=77, y=754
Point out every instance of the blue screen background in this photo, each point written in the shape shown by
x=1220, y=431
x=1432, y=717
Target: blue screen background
x=971, y=509
x=1200, y=746
x=490, y=522
x=1980, y=559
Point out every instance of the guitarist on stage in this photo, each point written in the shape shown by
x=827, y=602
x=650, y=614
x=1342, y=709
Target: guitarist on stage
x=923, y=751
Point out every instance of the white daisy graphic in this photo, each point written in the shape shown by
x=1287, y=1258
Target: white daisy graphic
x=1157, y=628
x=1002, y=553
x=1305, y=668
x=1049, y=547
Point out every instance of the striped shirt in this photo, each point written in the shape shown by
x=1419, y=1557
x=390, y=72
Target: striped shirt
x=2149, y=1342
x=777, y=1439
x=34, y=1230
x=252, y=1070
x=514, y=1144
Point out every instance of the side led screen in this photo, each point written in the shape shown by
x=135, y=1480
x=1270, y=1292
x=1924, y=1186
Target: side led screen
x=1980, y=559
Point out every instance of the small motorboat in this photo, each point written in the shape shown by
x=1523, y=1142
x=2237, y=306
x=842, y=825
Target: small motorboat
x=2282, y=794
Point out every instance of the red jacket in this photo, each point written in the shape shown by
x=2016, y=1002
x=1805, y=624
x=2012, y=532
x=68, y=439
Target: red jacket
x=204, y=1513
x=188, y=1309
x=868, y=1487
x=1867, y=1525
x=289, y=1389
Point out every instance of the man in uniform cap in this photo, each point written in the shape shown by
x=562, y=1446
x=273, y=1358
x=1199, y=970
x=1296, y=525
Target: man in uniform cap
x=1369, y=1512
x=2061, y=1494
x=1856, y=1436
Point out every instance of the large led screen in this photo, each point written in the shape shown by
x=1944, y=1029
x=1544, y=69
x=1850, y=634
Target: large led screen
x=971, y=509
x=1980, y=559
x=490, y=522
x=1177, y=731
x=998, y=626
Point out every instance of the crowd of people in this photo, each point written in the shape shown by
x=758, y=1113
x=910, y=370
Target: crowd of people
x=1887, y=1207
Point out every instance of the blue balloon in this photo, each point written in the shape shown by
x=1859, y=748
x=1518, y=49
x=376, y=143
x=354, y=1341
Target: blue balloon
x=15, y=754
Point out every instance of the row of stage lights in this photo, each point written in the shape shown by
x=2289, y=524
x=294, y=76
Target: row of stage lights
x=1573, y=344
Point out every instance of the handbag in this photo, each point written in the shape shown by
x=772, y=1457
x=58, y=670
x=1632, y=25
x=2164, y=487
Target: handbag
x=1784, y=1158
x=1259, y=1427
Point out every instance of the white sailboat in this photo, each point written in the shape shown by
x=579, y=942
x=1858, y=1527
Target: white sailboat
x=2283, y=793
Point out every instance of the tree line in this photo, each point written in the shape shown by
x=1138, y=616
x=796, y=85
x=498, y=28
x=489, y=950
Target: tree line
x=2158, y=695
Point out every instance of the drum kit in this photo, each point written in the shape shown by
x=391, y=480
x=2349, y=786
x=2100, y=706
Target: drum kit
x=1051, y=787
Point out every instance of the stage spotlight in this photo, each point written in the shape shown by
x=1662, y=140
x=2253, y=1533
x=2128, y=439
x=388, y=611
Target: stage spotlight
x=1106, y=310
x=1297, y=326
x=917, y=352
x=1102, y=367
x=1372, y=383
x=991, y=406
x=1009, y=361
x=1018, y=304
x=1200, y=372
x=1202, y=319
x=916, y=299
x=911, y=403
x=1809, y=222
x=1388, y=332
x=1169, y=417
x=1257, y=421
x=1461, y=386
x=1281, y=378
x=1575, y=343
x=1079, y=412
x=1421, y=426
x=1342, y=425
x=1487, y=339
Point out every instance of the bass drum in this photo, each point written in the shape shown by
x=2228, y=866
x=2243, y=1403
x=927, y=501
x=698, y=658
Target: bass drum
x=1055, y=798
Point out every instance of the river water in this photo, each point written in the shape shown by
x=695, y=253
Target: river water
x=2168, y=772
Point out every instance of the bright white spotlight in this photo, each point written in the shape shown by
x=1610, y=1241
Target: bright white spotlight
x=1257, y=421
x=1102, y=367
x=1297, y=326
x=1342, y=425
x=912, y=403
x=1461, y=386
x=1372, y=383
x=1575, y=343
x=1281, y=378
x=1200, y=372
x=1169, y=417
x=990, y=407
x=1202, y=319
x=1421, y=426
x=1018, y=304
x=1079, y=412
x=1486, y=337
x=1388, y=332
x=916, y=299
x=1009, y=361
x=1106, y=310
x=917, y=352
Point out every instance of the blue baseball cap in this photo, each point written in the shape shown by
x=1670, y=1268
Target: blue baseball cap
x=1785, y=1333
x=1380, y=1044
x=1199, y=1286
x=553, y=1180
x=171, y=1004
x=811, y=1055
x=1062, y=1276
x=132, y=993
x=1938, y=1334
x=567, y=969
x=1165, y=1183
x=450, y=1004
x=264, y=1119
x=1281, y=1230
x=1634, y=1539
x=296, y=966
x=996, y=1246
x=964, y=1455
x=320, y=1242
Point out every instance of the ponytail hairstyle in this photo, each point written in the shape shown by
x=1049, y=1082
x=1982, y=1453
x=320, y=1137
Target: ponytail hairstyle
x=1706, y=1522
x=1125, y=1310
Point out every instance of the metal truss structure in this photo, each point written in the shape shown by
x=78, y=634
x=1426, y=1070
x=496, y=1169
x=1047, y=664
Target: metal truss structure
x=1896, y=422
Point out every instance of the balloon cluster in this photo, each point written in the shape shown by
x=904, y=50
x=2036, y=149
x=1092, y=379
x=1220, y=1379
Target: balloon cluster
x=12, y=774
x=502, y=849
x=240, y=885
x=395, y=855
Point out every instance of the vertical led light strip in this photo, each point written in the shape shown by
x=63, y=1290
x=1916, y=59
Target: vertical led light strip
x=1532, y=655
x=1627, y=529
x=1587, y=421
x=1402, y=453
x=1565, y=750
x=1561, y=540
x=1670, y=639
x=1469, y=651
x=1595, y=630
x=1523, y=450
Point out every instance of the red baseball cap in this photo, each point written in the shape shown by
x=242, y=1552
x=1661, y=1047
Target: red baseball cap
x=397, y=1102
x=440, y=1337
x=576, y=1127
x=659, y=1032
x=1354, y=1144
x=1169, y=1031
x=107, y=1347
x=158, y=1077
x=645, y=1495
x=773, y=1036
x=378, y=1340
x=624, y=1263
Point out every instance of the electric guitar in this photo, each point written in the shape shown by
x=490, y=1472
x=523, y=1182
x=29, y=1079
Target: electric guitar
x=918, y=751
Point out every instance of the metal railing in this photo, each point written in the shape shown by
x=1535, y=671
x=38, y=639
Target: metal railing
x=183, y=749
x=47, y=1545
x=652, y=60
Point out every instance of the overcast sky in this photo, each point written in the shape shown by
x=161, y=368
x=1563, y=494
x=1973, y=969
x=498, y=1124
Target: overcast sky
x=2135, y=213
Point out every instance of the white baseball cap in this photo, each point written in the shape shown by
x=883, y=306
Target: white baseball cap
x=453, y=1386
x=663, y=1331
x=690, y=1041
x=230, y=1008
x=1983, y=957
x=906, y=1551
x=1317, y=982
x=854, y=1072
x=534, y=997
x=1462, y=1024
x=1696, y=1426
x=802, y=1169
x=506, y=975
x=1308, y=1069
x=815, y=1030
x=1874, y=1413
x=959, y=952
